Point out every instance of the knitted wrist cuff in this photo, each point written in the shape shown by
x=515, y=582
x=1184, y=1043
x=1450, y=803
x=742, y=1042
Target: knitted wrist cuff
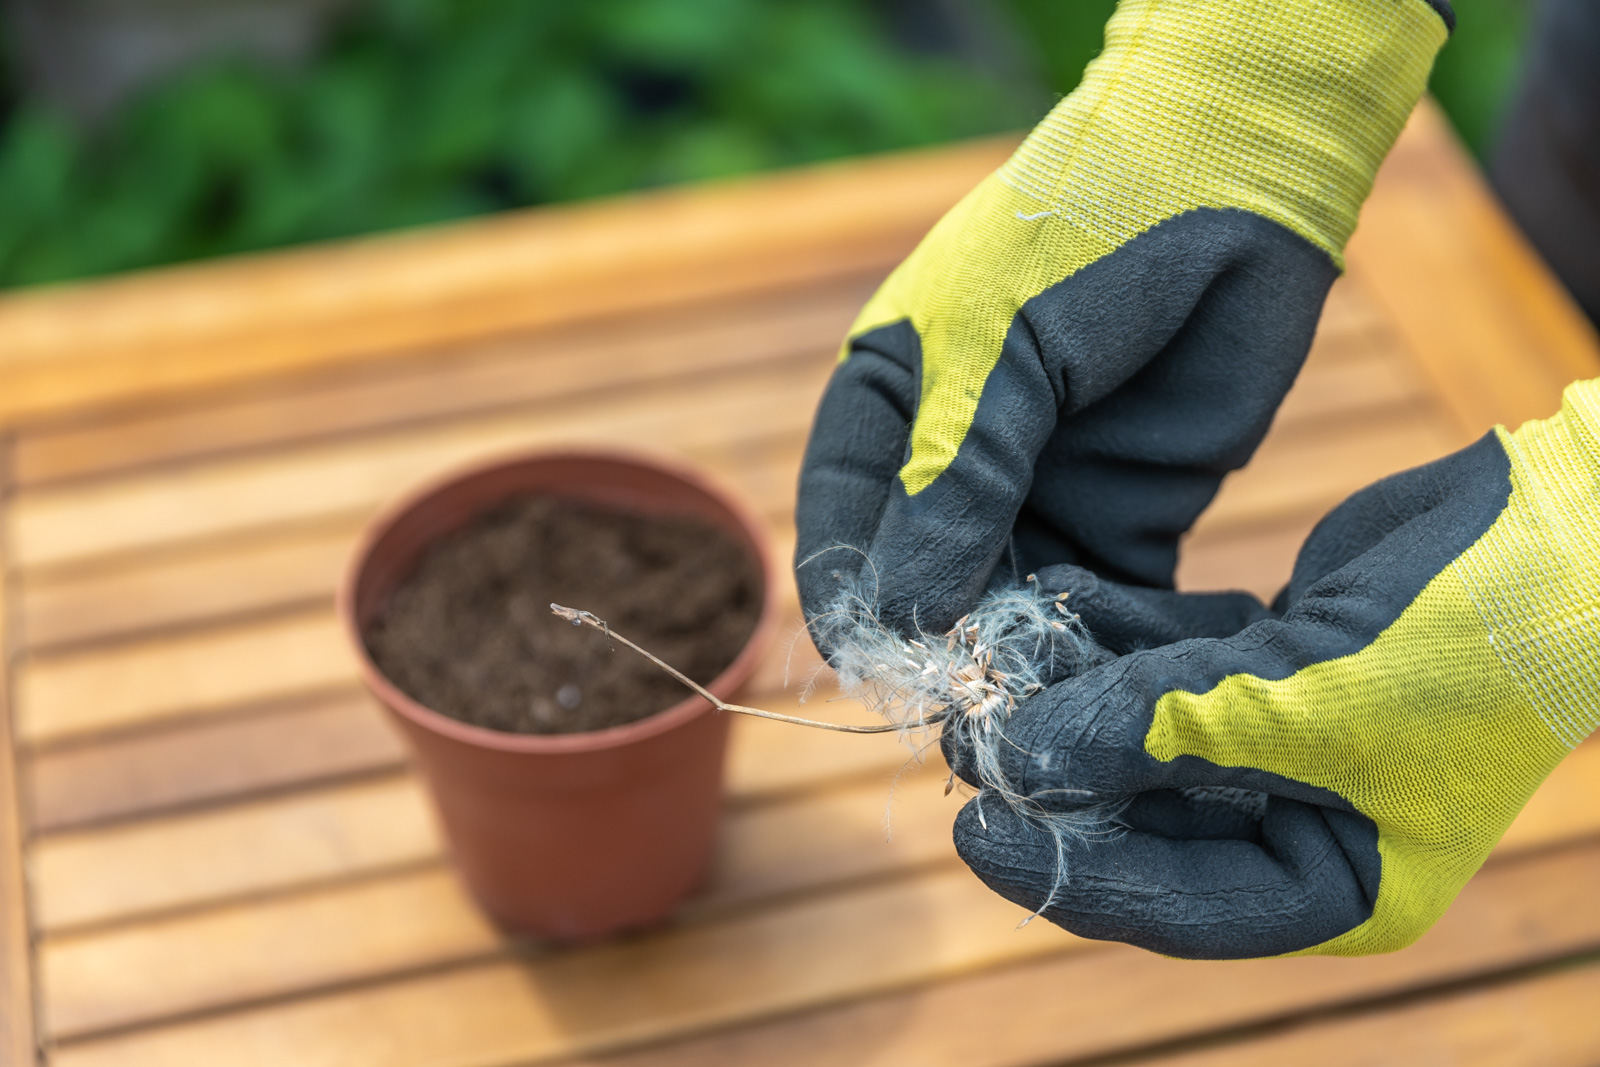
x=1535, y=576
x=1279, y=107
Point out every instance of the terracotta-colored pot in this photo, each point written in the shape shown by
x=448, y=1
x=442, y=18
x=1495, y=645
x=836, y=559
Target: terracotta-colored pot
x=568, y=836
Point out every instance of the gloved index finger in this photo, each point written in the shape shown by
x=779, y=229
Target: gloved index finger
x=949, y=512
x=858, y=443
x=927, y=546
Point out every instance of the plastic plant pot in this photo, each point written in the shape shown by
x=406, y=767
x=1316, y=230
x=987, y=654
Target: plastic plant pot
x=569, y=837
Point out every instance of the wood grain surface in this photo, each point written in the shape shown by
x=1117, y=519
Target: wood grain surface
x=1482, y=316
x=17, y=1039
x=230, y=861
x=140, y=338
x=1095, y=1006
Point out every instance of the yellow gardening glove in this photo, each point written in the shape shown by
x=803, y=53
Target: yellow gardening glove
x=1083, y=347
x=1326, y=780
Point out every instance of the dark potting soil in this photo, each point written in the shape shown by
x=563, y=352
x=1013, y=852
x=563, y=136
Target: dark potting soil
x=471, y=635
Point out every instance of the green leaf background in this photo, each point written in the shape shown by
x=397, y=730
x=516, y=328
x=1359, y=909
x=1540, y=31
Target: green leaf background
x=420, y=111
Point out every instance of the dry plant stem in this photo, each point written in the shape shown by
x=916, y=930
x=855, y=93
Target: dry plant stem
x=587, y=618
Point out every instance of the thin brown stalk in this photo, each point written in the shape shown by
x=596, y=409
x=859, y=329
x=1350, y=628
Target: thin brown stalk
x=586, y=618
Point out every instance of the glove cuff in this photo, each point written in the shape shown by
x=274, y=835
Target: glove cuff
x=1279, y=107
x=1535, y=576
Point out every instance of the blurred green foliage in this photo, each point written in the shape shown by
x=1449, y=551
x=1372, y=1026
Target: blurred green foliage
x=1475, y=74
x=1065, y=33
x=424, y=110
x=419, y=111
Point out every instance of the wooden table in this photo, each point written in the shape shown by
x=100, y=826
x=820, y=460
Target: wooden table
x=227, y=861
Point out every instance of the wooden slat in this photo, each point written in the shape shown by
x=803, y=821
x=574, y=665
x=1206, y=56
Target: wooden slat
x=833, y=837
x=816, y=951
x=344, y=734
x=715, y=416
x=1355, y=369
x=1299, y=472
x=73, y=347
x=269, y=846
x=167, y=677
x=233, y=582
x=205, y=585
x=1488, y=323
x=16, y=952
x=1080, y=1004
x=1543, y=1021
x=519, y=369
x=325, y=306
x=335, y=736
x=768, y=759
x=1257, y=559
x=423, y=919
x=249, y=849
x=484, y=376
x=275, y=569
x=250, y=951
x=100, y=875
x=224, y=669
x=1102, y=1004
x=285, y=657
x=1350, y=310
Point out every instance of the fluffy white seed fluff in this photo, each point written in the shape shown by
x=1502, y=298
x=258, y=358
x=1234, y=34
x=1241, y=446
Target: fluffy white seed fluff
x=970, y=680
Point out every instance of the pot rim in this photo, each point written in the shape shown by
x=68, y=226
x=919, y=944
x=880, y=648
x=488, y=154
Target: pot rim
x=660, y=722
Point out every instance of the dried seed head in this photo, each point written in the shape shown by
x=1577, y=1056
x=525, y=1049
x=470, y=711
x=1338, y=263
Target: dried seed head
x=1005, y=650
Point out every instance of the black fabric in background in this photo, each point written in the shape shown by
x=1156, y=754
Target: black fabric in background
x=1546, y=166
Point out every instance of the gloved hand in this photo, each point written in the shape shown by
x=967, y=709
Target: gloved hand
x=1325, y=781
x=1083, y=347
